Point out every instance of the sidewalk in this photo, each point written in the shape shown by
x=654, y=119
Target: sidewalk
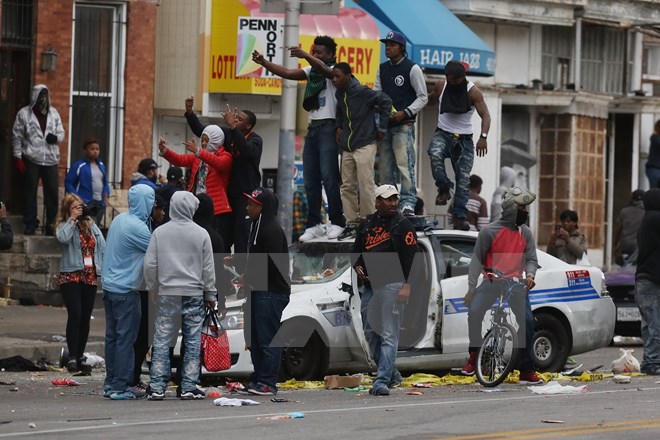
x=39, y=331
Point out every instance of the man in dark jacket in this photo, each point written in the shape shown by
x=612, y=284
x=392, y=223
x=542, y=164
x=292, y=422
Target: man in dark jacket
x=245, y=147
x=625, y=235
x=647, y=281
x=357, y=134
x=508, y=246
x=385, y=240
x=268, y=253
x=6, y=234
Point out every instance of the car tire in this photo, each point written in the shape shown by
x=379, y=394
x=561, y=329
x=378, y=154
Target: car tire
x=551, y=343
x=305, y=363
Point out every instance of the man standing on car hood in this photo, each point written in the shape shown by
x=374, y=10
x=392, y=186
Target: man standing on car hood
x=647, y=281
x=507, y=246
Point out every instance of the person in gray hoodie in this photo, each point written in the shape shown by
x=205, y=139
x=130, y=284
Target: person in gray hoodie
x=357, y=132
x=179, y=267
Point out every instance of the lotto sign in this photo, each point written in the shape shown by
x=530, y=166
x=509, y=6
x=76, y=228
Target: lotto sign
x=578, y=278
x=263, y=35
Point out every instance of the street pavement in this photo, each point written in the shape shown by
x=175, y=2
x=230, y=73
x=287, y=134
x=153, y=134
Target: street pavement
x=30, y=406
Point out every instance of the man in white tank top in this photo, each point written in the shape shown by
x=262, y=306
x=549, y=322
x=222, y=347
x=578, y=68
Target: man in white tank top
x=458, y=99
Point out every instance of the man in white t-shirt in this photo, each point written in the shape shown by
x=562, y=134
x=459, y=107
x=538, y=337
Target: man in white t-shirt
x=320, y=161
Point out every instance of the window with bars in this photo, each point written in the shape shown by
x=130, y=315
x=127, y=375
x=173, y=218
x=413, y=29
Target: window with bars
x=557, y=55
x=17, y=27
x=603, y=51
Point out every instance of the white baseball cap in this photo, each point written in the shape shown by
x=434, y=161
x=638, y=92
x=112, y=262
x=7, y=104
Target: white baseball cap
x=386, y=191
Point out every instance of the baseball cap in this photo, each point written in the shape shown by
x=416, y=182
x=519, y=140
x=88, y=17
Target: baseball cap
x=174, y=173
x=521, y=196
x=386, y=191
x=147, y=164
x=394, y=36
x=257, y=196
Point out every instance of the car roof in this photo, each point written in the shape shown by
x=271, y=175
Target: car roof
x=432, y=232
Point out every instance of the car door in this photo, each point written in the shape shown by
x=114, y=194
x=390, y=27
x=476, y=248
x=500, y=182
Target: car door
x=357, y=342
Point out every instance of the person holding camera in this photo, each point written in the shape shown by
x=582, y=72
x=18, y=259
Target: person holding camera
x=567, y=242
x=6, y=234
x=36, y=133
x=82, y=257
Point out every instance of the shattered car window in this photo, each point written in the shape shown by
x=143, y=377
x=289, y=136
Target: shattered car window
x=318, y=262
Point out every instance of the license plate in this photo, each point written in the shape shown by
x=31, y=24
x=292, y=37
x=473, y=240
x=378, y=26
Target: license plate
x=628, y=314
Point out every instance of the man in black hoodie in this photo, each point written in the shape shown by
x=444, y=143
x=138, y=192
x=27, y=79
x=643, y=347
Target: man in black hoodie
x=268, y=253
x=647, y=281
x=245, y=147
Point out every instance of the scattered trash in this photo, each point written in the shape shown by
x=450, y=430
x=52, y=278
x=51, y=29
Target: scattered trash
x=297, y=415
x=626, y=340
x=590, y=377
x=415, y=393
x=291, y=415
x=627, y=363
x=620, y=378
x=356, y=389
x=572, y=371
x=433, y=380
x=6, y=382
x=4, y=422
x=570, y=361
x=553, y=387
x=213, y=393
x=279, y=399
x=58, y=338
x=421, y=385
x=224, y=401
x=234, y=387
x=55, y=369
x=293, y=383
x=338, y=382
x=66, y=382
x=552, y=421
x=14, y=389
x=94, y=360
x=31, y=425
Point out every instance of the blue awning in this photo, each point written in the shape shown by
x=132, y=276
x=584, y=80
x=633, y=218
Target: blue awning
x=435, y=35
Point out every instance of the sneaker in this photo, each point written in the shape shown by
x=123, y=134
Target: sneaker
x=469, y=368
x=141, y=386
x=83, y=366
x=314, y=232
x=262, y=390
x=443, y=195
x=334, y=231
x=408, y=211
x=461, y=224
x=155, y=395
x=529, y=378
x=130, y=394
x=194, y=394
x=72, y=365
x=107, y=393
x=379, y=391
x=349, y=231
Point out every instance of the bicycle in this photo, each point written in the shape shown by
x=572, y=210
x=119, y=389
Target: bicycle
x=499, y=350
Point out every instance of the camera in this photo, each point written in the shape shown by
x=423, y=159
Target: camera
x=87, y=211
x=557, y=228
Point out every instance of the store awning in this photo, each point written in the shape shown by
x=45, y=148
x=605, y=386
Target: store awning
x=435, y=35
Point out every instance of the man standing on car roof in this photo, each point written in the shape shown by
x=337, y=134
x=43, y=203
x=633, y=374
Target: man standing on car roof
x=508, y=246
x=387, y=243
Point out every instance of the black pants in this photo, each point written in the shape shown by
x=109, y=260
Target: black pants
x=223, y=225
x=141, y=345
x=240, y=225
x=48, y=176
x=79, y=301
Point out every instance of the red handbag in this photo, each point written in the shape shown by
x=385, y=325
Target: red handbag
x=215, y=344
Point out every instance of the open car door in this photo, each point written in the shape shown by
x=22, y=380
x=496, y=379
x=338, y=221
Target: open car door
x=454, y=315
x=357, y=342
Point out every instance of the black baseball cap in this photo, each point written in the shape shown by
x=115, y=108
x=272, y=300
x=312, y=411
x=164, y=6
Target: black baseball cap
x=146, y=165
x=174, y=173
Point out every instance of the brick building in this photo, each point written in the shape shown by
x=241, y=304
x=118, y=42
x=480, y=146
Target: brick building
x=101, y=82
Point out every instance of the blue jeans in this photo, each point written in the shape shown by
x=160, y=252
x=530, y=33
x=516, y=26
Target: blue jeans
x=397, y=156
x=172, y=310
x=265, y=314
x=381, y=318
x=484, y=297
x=653, y=174
x=461, y=154
x=647, y=297
x=122, y=319
x=321, y=166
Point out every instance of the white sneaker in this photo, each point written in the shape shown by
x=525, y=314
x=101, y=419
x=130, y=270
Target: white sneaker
x=314, y=232
x=334, y=231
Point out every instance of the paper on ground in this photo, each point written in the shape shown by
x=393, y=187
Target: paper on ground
x=553, y=387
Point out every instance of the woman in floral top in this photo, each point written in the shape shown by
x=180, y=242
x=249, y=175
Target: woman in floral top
x=82, y=256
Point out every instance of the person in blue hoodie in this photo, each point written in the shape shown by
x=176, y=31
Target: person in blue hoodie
x=122, y=279
x=88, y=179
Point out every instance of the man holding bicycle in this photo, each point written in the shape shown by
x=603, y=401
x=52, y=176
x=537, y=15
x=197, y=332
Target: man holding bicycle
x=506, y=246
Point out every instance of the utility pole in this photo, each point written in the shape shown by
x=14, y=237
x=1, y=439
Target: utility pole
x=286, y=150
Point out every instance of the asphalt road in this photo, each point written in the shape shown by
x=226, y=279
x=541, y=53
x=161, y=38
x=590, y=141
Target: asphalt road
x=606, y=411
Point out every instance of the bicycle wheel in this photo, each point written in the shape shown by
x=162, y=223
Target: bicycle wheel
x=497, y=355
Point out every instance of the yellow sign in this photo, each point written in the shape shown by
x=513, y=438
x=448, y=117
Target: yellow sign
x=362, y=55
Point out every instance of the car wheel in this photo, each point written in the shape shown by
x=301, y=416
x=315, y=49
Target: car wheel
x=305, y=363
x=551, y=344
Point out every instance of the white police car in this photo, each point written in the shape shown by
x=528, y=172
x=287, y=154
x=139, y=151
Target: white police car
x=322, y=326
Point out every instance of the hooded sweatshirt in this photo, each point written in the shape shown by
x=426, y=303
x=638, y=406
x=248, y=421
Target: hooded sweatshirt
x=630, y=218
x=507, y=180
x=128, y=238
x=29, y=140
x=648, y=239
x=179, y=260
x=268, y=250
x=504, y=246
x=138, y=178
x=357, y=107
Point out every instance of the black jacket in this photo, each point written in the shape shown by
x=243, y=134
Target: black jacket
x=204, y=217
x=648, y=238
x=6, y=235
x=246, y=154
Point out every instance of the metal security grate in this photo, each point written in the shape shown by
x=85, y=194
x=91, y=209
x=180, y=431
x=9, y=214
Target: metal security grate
x=17, y=23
